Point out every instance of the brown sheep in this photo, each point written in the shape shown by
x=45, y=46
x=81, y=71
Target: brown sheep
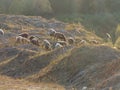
x=59, y=35
x=25, y=35
x=34, y=41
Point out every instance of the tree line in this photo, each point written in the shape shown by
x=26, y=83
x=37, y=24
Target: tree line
x=53, y=7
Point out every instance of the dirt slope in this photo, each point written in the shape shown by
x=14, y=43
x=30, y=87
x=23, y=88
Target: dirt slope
x=85, y=66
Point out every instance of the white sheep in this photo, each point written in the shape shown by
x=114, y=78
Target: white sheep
x=109, y=38
x=59, y=35
x=1, y=32
x=20, y=39
x=83, y=42
x=108, y=35
x=51, y=32
x=47, y=45
x=2, y=38
x=58, y=45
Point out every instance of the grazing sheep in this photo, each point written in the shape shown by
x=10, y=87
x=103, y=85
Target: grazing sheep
x=71, y=40
x=47, y=45
x=20, y=39
x=2, y=38
x=108, y=35
x=25, y=35
x=58, y=45
x=83, y=42
x=59, y=35
x=1, y=32
x=34, y=41
x=51, y=32
x=63, y=43
x=109, y=38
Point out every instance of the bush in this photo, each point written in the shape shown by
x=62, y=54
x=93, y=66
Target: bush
x=117, y=43
x=117, y=32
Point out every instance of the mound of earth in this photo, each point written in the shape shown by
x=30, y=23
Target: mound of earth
x=91, y=66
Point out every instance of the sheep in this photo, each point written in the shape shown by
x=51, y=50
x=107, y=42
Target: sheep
x=108, y=35
x=109, y=38
x=1, y=32
x=2, y=38
x=83, y=42
x=63, y=43
x=71, y=40
x=51, y=32
x=47, y=45
x=20, y=39
x=58, y=45
x=59, y=35
x=34, y=40
x=56, y=35
x=25, y=35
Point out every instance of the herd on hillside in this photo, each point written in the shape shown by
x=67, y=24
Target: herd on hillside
x=59, y=38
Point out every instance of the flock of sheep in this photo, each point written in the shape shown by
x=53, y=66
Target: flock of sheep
x=59, y=38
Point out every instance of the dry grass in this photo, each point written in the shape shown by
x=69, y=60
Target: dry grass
x=73, y=26
x=7, y=83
